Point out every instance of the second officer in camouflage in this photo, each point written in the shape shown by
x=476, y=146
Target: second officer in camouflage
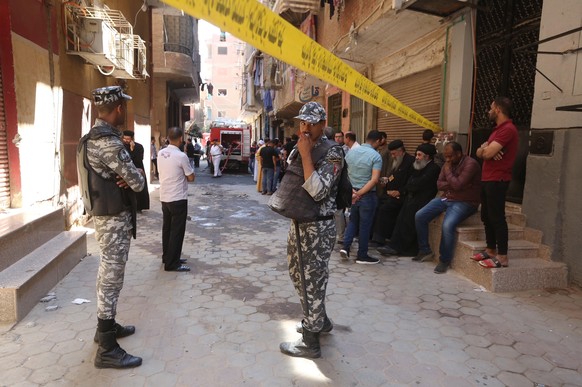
x=108, y=180
x=309, y=244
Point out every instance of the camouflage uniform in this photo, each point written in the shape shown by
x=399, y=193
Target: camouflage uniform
x=316, y=239
x=109, y=158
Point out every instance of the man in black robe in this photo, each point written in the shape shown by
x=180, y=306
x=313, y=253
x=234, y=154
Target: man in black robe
x=420, y=189
x=136, y=152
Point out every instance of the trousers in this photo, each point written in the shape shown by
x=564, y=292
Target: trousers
x=316, y=240
x=493, y=215
x=173, y=230
x=113, y=234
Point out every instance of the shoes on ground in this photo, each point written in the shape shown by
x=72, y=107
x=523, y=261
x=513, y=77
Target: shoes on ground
x=387, y=251
x=367, y=260
x=423, y=256
x=179, y=268
x=345, y=254
x=441, y=268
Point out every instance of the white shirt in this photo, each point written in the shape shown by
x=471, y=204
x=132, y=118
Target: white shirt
x=173, y=166
x=216, y=150
x=355, y=145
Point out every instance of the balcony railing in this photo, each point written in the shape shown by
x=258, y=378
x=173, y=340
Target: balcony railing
x=179, y=34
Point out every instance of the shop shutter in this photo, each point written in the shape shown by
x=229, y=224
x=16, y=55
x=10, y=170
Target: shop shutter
x=4, y=175
x=422, y=93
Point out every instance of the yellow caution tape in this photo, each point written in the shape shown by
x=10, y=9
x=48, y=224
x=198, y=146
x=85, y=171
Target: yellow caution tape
x=257, y=25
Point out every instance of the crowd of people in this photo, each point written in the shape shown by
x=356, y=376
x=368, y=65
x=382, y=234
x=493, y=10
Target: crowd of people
x=394, y=197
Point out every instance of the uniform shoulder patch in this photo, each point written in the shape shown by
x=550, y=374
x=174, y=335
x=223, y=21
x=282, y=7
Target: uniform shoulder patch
x=124, y=156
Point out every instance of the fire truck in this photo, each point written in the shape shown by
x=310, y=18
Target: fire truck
x=235, y=138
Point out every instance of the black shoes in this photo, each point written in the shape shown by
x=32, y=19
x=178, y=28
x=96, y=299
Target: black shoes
x=387, y=251
x=441, y=268
x=179, y=268
x=423, y=257
x=367, y=260
x=327, y=326
x=307, y=346
x=345, y=254
x=120, y=331
x=111, y=355
x=183, y=260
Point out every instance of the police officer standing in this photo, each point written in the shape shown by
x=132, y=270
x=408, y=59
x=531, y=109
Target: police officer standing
x=309, y=244
x=108, y=180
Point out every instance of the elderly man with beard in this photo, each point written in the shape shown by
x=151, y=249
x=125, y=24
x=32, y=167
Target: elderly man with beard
x=420, y=189
x=392, y=186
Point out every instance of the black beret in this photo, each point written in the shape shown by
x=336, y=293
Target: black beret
x=396, y=144
x=427, y=149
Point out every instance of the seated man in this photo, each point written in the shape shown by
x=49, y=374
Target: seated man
x=420, y=189
x=391, y=197
x=460, y=181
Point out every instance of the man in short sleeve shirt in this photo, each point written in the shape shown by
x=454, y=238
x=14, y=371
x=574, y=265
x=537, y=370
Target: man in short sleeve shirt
x=498, y=154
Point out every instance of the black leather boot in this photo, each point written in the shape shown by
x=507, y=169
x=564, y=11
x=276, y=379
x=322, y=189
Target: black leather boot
x=111, y=355
x=307, y=346
x=327, y=326
x=120, y=331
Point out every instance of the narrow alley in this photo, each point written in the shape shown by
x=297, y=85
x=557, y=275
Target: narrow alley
x=396, y=323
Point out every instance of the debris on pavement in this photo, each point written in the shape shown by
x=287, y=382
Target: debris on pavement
x=80, y=301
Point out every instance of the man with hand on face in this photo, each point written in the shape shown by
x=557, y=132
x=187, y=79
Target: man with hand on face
x=460, y=183
x=309, y=244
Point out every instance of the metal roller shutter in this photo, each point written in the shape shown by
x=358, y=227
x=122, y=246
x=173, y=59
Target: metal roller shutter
x=4, y=175
x=422, y=93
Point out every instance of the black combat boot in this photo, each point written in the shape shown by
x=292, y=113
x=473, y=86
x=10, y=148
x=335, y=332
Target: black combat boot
x=327, y=326
x=111, y=355
x=307, y=346
x=120, y=331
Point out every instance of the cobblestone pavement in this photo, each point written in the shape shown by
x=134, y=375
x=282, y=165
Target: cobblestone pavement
x=397, y=323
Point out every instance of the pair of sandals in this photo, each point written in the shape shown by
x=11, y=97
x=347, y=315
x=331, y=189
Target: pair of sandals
x=487, y=261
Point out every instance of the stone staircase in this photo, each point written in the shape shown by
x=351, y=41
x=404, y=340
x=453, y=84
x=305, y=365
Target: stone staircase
x=35, y=254
x=530, y=264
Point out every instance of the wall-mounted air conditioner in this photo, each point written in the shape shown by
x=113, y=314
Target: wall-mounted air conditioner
x=104, y=38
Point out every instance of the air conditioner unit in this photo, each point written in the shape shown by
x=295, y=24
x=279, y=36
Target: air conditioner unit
x=104, y=38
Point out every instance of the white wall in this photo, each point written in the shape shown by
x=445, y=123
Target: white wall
x=565, y=70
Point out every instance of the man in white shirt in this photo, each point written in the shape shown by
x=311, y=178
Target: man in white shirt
x=216, y=155
x=175, y=173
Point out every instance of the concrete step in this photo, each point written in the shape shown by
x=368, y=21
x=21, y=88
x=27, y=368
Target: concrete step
x=22, y=231
x=25, y=282
x=517, y=248
x=477, y=232
x=521, y=274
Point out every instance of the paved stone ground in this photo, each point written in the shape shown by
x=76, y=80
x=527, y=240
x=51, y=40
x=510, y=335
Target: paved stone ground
x=397, y=323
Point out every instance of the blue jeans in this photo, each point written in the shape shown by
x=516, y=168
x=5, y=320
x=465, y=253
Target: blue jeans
x=361, y=219
x=456, y=212
x=267, y=179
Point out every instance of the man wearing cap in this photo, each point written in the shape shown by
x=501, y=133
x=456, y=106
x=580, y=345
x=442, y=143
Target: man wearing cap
x=392, y=197
x=108, y=180
x=419, y=190
x=309, y=244
x=364, y=166
x=216, y=156
x=460, y=183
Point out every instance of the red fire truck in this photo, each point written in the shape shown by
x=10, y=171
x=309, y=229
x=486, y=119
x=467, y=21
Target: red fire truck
x=235, y=137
